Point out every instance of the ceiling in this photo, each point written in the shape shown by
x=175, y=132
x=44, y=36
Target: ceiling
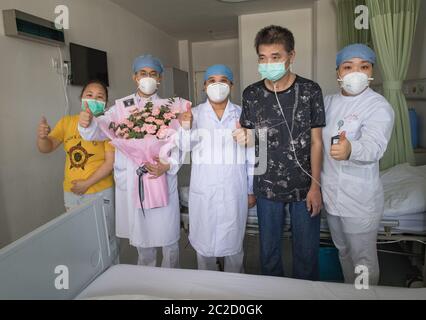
x=203, y=20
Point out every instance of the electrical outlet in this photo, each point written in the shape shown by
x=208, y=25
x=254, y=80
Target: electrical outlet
x=67, y=71
x=415, y=89
x=55, y=64
x=421, y=89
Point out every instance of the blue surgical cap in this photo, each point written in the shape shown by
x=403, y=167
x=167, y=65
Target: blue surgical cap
x=147, y=61
x=355, y=51
x=219, y=70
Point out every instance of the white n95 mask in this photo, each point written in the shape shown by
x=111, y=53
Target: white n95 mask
x=218, y=92
x=354, y=83
x=148, y=85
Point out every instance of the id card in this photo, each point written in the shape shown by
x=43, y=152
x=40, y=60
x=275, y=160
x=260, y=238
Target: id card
x=335, y=140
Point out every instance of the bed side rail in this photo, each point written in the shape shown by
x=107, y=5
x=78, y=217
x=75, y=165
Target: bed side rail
x=58, y=260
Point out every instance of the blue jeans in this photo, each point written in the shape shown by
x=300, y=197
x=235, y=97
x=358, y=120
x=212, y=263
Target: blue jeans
x=305, y=239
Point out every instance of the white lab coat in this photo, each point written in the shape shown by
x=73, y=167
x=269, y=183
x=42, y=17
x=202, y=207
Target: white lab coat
x=221, y=180
x=159, y=227
x=352, y=189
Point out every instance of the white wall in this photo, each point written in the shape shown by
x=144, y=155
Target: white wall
x=300, y=22
x=30, y=183
x=206, y=54
x=325, y=49
x=185, y=64
x=417, y=70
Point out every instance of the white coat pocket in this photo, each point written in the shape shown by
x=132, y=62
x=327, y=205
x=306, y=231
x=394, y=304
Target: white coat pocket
x=358, y=194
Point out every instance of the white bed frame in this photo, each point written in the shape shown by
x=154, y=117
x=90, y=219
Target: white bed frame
x=76, y=242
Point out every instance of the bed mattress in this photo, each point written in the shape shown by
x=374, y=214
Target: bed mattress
x=146, y=283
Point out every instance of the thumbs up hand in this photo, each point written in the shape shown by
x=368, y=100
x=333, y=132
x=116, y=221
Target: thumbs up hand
x=186, y=118
x=43, y=129
x=243, y=136
x=86, y=117
x=341, y=151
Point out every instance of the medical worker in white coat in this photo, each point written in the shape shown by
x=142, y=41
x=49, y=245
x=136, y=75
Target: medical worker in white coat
x=221, y=186
x=359, y=127
x=159, y=227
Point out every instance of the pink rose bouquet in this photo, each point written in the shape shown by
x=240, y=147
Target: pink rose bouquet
x=142, y=135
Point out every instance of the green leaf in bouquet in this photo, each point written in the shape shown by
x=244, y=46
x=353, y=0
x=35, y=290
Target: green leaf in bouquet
x=133, y=135
x=149, y=105
x=140, y=123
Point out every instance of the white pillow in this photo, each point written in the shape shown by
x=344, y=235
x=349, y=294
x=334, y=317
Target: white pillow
x=405, y=190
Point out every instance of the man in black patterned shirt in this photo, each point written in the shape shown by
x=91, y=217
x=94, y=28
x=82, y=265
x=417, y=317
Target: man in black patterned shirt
x=292, y=137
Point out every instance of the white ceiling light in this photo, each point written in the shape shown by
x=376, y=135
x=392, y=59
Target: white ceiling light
x=234, y=1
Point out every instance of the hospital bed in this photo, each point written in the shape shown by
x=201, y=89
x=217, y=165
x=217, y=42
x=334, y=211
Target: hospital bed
x=404, y=221
x=78, y=242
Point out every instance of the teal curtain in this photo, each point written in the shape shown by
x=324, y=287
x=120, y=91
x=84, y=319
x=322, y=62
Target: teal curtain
x=347, y=33
x=393, y=24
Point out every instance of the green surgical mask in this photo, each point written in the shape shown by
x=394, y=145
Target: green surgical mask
x=272, y=71
x=95, y=106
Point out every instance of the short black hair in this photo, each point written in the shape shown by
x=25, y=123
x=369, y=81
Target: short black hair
x=275, y=35
x=95, y=81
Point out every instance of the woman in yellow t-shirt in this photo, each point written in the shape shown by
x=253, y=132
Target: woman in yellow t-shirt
x=89, y=165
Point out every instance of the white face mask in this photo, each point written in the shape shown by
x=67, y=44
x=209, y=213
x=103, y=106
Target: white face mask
x=218, y=92
x=354, y=83
x=148, y=85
